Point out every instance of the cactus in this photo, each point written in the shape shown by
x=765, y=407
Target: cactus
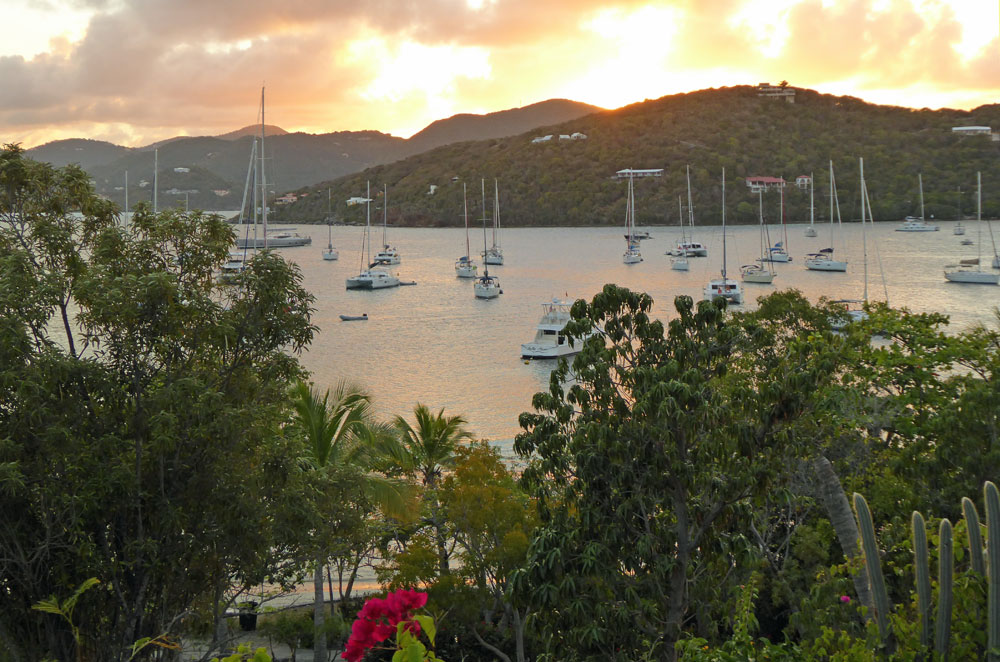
x=975, y=537
x=946, y=566
x=923, y=576
x=874, y=568
x=992, y=498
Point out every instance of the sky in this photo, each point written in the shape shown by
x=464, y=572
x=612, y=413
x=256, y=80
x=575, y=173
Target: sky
x=136, y=71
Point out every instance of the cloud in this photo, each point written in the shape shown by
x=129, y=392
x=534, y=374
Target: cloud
x=150, y=69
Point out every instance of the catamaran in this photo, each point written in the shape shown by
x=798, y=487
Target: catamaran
x=370, y=278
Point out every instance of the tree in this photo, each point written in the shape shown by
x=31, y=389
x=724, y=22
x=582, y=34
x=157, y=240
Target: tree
x=333, y=428
x=139, y=409
x=647, y=464
x=425, y=451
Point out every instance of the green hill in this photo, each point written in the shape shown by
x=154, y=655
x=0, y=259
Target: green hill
x=570, y=182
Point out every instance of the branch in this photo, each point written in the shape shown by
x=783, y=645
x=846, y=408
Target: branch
x=491, y=648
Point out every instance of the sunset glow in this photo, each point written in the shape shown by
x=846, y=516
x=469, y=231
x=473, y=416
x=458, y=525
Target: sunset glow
x=133, y=73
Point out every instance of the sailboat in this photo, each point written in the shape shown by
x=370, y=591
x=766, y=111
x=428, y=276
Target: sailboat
x=680, y=262
x=854, y=309
x=282, y=237
x=370, y=278
x=811, y=230
x=823, y=260
x=632, y=254
x=388, y=254
x=689, y=247
x=330, y=253
x=464, y=266
x=756, y=273
x=494, y=254
x=726, y=288
x=912, y=224
x=486, y=286
x=969, y=270
x=779, y=252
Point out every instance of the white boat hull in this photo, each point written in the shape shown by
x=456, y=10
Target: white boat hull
x=486, y=291
x=330, y=255
x=762, y=278
x=728, y=290
x=979, y=277
x=810, y=231
x=826, y=265
x=958, y=230
x=679, y=264
x=274, y=242
x=776, y=257
x=631, y=258
x=372, y=280
x=386, y=258
x=466, y=271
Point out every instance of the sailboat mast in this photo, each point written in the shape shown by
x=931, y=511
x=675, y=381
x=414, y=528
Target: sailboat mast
x=979, y=219
x=920, y=182
x=680, y=216
x=486, y=263
x=864, y=237
x=126, y=199
x=784, y=228
x=812, y=208
x=496, y=214
x=263, y=177
x=385, y=214
x=723, y=228
x=690, y=206
x=156, y=174
x=367, y=258
x=465, y=203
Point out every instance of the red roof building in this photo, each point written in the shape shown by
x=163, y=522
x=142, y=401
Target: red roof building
x=764, y=183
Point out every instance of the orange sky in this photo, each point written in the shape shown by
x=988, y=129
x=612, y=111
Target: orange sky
x=133, y=72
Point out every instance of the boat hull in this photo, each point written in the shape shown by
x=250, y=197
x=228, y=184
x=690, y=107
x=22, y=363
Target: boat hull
x=366, y=281
x=680, y=264
x=273, y=242
x=810, y=231
x=764, y=278
x=486, y=292
x=465, y=271
x=631, y=258
x=826, y=265
x=728, y=290
x=977, y=277
x=330, y=255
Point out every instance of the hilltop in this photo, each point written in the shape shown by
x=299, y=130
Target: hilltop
x=217, y=165
x=570, y=182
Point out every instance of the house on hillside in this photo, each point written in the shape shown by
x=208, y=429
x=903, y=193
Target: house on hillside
x=781, y=91
x=803, y=182
x=971, y=130
x=757, y=184
x=578, y=136
x=356, y=200
x=432, y=189
x=286, y=199
x=647, y=172
x=542, y=139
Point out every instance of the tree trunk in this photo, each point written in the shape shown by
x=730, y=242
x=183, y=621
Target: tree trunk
x=319, y=615
x=838, y=509
x=519, y=634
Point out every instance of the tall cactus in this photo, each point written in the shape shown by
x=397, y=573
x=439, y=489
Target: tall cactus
x=923, y=576
x=975, y=537
x=946, y=579
x=874, y=567
x=992, y=498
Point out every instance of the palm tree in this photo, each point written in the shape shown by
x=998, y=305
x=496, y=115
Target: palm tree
x=425, y=451
x=336, y=428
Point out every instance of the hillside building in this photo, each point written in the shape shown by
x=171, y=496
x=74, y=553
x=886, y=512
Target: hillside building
x=803, y=182
x=182, y=170
x=971, y=130
x=757, y=184
x=777, y=91
x=542, y=139
x=648, y=172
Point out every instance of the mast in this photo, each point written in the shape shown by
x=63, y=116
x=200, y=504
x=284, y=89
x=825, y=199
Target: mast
x=385, y=214
x=920, y=182
x=496, y=214
x=368, y=227
x=263, y=177
x=126, y=199
x=784, y=228
x=979, y=219
x=465, y=202
x=631, y=209
x=329, y=220
x=723, y=228
x=864, y=237
x=812, y=208
x=156, y=172
x=486, y=263
x=690, y=206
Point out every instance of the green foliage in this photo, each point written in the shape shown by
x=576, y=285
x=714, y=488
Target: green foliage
x=636, y=522
x=140, y=405
x=245, y=653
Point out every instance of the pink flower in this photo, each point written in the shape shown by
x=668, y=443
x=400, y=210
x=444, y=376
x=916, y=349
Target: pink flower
x=845, y=599
x=378, y=619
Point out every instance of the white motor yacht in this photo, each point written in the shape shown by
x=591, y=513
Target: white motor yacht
x=275, y=238
x=550, y=342
x=388, y=255
x=914, y=224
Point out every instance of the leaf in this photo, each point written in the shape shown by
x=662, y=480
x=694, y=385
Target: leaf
x=427, y=625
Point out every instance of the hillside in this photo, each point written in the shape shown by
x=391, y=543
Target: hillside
x=294, y=159
x=570, y=182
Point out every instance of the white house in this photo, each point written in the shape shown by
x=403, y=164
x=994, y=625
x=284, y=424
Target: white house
x=357, y=200
x=432, y=189
x=182, y=170
x=803, y=181
x=647, y=172
x=757, y=184
x=971, y=130
x=564, y=136
x=578, y=136
x=542, y=139
x=286, y=199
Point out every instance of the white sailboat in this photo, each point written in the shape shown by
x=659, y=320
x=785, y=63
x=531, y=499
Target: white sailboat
x=854, y=309
x=464, y=266
x=388, y=255
x=486, y=286
x=970, y=270
x=330, y=253
x=494, y=254
x=370, y=278
x=688, y=247
x=913, y=224
x=756, y=273
x=823, y=260
x=724, y=287
x=779, y=252
x=239, y=260
x=811, y=230
x=632, y=254
x=680, y=262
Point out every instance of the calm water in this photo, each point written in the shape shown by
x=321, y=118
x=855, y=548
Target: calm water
x=436, y=344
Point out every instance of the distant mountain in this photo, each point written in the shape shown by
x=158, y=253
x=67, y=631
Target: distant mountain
x=294, y=159
x=86, y=153
x=459, y=128
x=253, y=130
x=571, y=182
